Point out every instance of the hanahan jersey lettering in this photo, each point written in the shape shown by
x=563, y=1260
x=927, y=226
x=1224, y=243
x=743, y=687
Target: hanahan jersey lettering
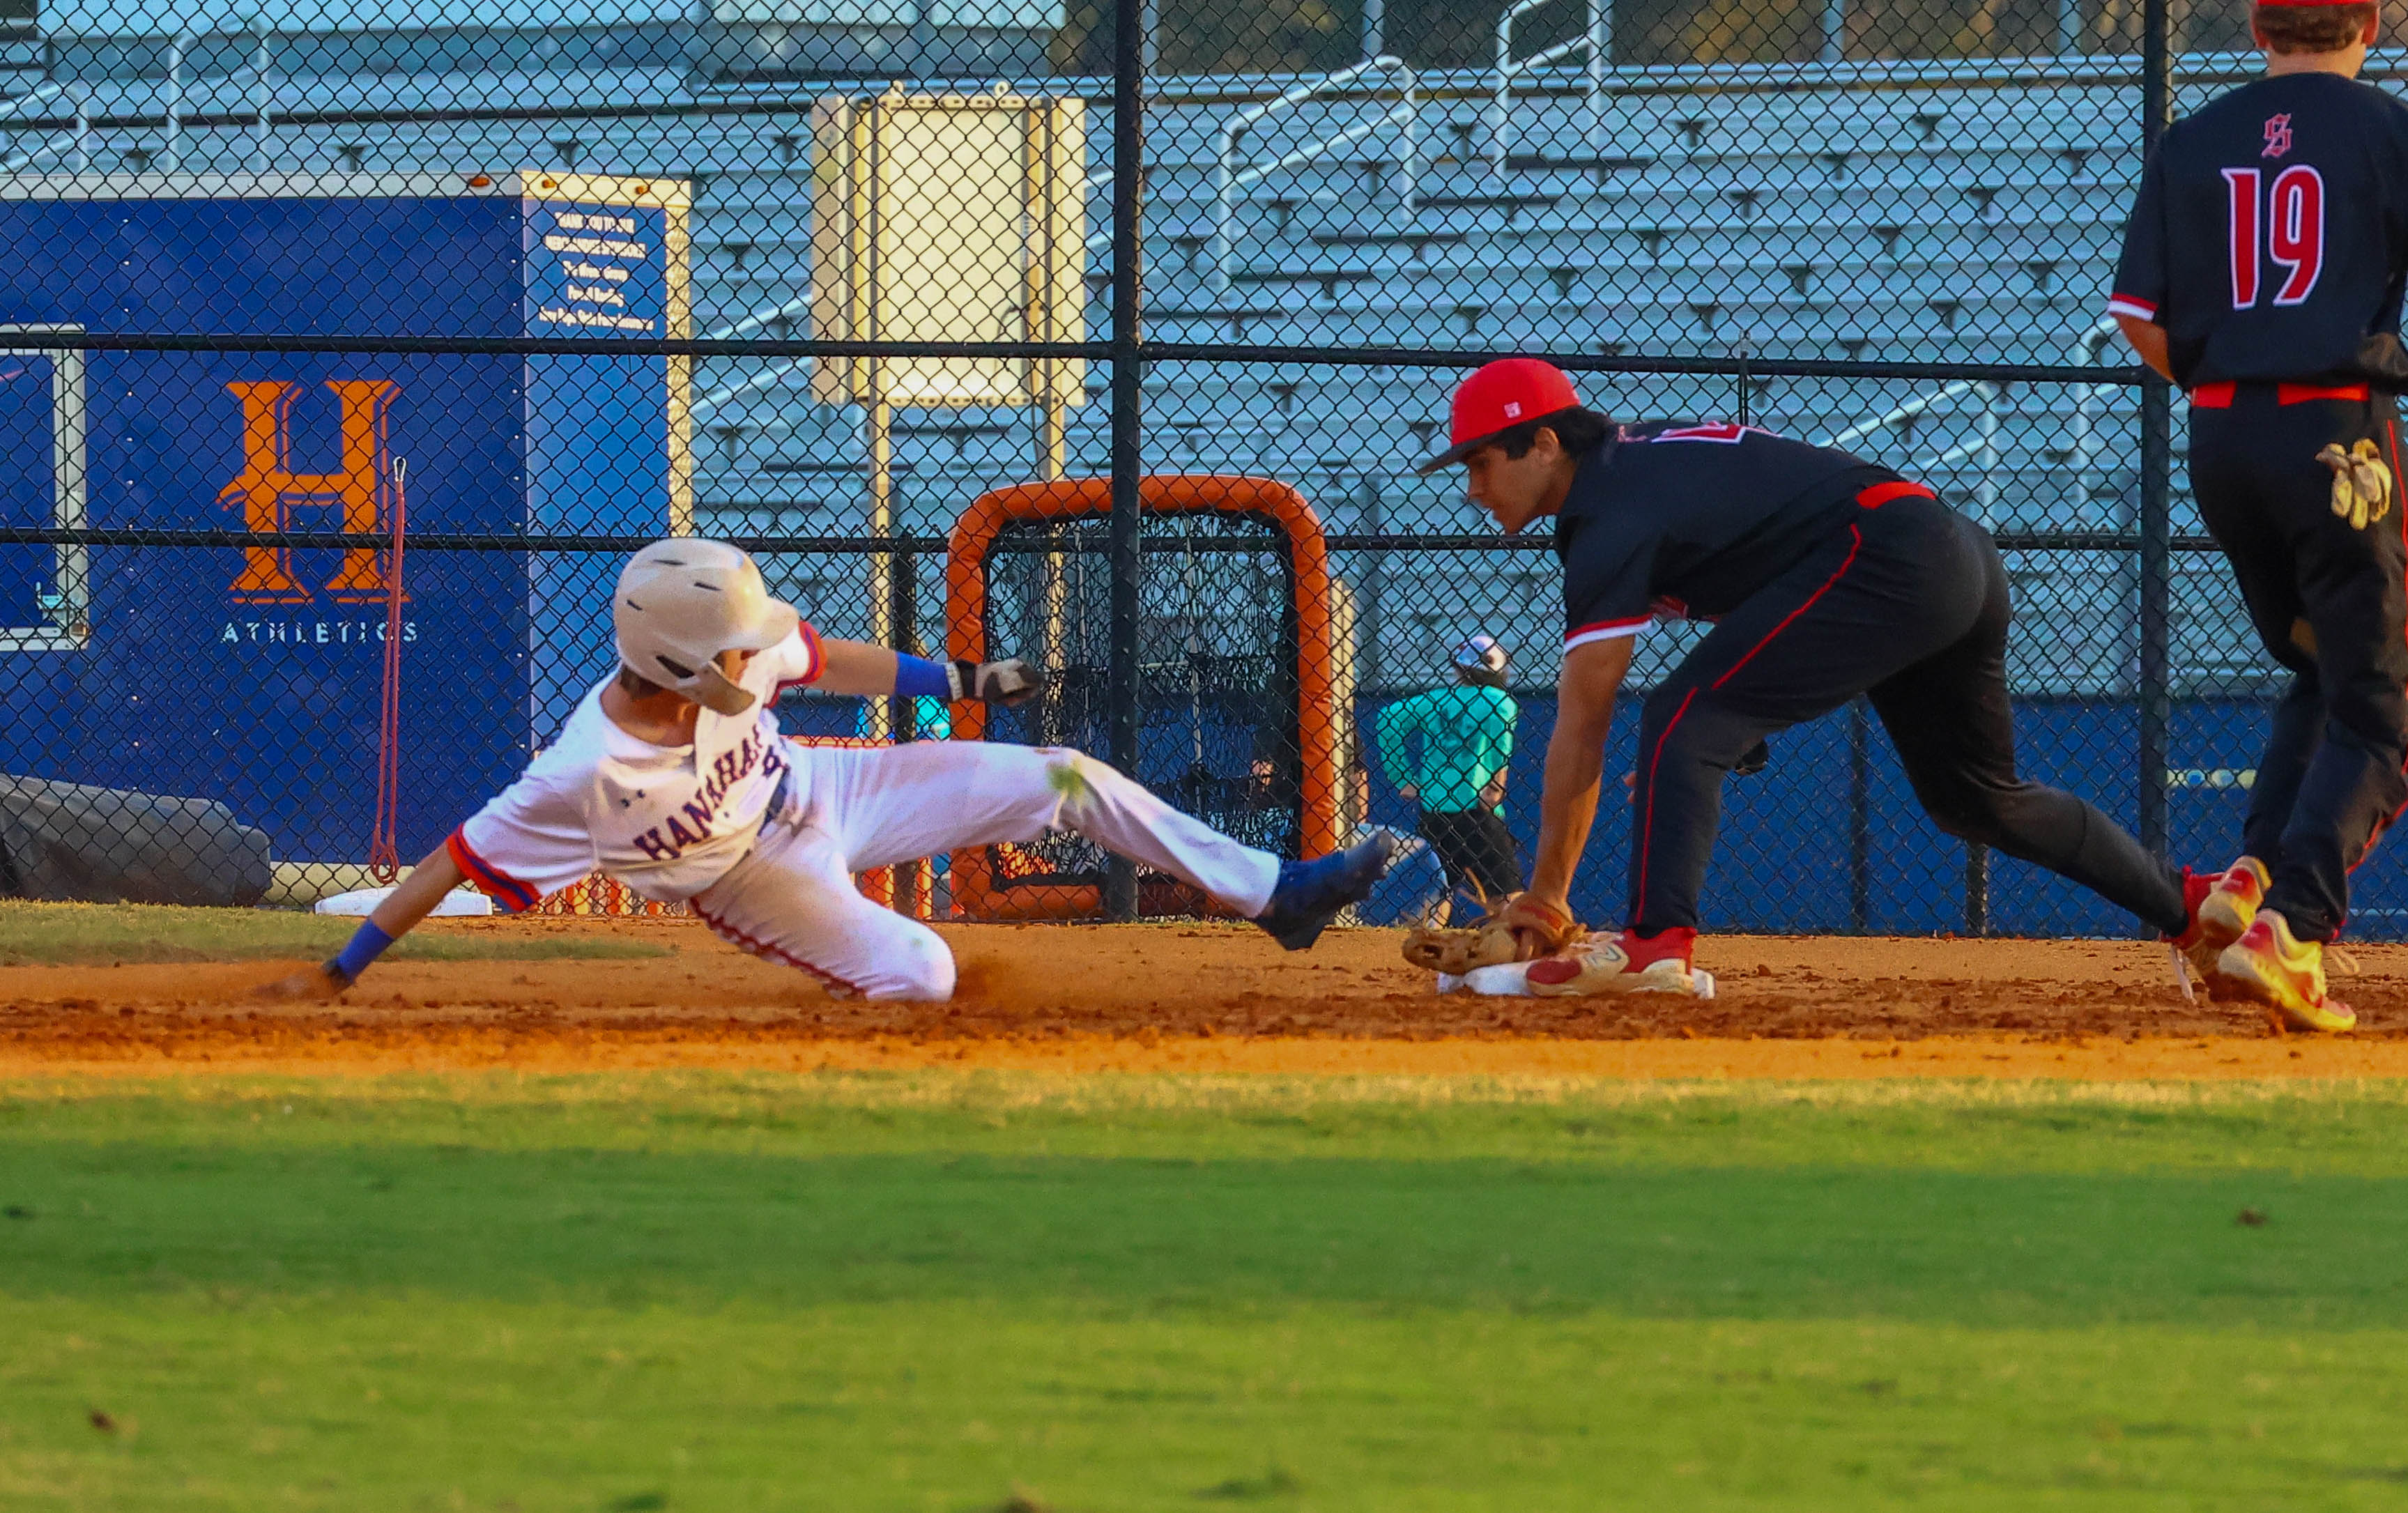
x=697, y=820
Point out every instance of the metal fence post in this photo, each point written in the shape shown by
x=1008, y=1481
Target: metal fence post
x=2156, y=564
x=1128, y=407
x=1860, y=827
x=1977, y=889
x=913, y=880
x=1370, y=619
x=2156, y=481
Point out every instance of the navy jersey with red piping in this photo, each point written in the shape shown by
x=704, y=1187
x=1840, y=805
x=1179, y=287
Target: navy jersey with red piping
x=1686, y=517
x=2270, y=236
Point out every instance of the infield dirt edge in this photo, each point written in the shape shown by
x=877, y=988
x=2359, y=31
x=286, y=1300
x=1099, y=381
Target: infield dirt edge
x=350, y=1052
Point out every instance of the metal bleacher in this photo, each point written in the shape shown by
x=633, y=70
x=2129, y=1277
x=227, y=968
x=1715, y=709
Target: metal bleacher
x=1909, y=213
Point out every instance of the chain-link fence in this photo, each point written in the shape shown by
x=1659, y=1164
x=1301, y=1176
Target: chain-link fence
x=336, y=333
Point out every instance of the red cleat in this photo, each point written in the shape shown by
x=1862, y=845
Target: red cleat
x=2222, y=906
x=1622, y=963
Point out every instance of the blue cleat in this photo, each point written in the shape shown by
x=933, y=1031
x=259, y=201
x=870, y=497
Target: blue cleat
x=1310, y=893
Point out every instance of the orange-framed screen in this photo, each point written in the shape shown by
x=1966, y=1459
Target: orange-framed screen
x=1007, y=882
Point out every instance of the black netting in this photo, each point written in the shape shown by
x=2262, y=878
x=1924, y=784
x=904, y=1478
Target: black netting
x=818, y=279
x=1216, y=671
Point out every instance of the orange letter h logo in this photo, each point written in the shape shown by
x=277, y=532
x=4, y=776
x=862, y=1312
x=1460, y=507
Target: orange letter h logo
x=269, y=490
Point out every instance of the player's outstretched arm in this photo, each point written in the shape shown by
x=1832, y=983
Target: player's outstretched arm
x=855, y=667
x=1575, y=766
x=400, y=912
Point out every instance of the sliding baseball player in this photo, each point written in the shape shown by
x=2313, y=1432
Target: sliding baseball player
x=672, y=778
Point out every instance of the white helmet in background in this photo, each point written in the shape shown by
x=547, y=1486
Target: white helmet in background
x=1480, y=656
x=682, y=602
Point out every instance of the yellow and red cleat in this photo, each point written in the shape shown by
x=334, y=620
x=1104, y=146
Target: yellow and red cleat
x=2267, y=965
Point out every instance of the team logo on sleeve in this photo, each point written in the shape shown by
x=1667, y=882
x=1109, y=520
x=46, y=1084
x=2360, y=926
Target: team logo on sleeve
x=2278, y=136
x=1725, y=433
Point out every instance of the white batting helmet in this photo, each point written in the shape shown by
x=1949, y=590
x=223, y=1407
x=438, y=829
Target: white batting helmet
x=682, y=602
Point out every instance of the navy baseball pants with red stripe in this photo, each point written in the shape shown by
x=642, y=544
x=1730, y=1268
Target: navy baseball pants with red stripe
x=1908, y=605
x=2329, y=602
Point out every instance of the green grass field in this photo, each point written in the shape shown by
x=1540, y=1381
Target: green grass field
x=112, y=934
x=680, y=1292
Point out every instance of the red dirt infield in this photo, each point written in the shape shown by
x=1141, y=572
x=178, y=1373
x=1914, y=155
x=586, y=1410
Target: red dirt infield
x=1202, y=998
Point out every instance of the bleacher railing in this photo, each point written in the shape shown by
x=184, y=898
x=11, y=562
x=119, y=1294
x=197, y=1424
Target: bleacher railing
x=1231, y=172
x=1595, y=45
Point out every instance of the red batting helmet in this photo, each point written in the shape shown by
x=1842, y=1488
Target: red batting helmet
x=1498, y=398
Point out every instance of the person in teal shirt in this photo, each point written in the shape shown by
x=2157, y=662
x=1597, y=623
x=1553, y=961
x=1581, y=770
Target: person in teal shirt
x=1447, y=751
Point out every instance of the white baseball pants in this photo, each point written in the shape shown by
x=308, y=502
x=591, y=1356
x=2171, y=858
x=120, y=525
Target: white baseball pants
x=792, y=898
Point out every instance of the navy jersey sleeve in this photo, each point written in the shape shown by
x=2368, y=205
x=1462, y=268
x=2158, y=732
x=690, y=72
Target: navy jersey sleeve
x=1606, y=591
x=2140, y=272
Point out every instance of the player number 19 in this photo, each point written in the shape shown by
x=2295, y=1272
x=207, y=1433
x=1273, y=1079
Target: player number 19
x=2293, y=216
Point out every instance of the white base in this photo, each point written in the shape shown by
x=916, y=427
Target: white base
x=360, y=902
x=1512, y=980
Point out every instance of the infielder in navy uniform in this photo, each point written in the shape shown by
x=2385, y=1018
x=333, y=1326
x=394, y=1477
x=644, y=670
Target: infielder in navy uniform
x=2262, y=271
x=1827, y=577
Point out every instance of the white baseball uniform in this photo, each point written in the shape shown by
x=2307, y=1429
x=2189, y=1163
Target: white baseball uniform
x=761, y=836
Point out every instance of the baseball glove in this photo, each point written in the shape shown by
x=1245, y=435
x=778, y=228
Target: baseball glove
x=1520, y=929
x=1010, y=683
x=2361, y=485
